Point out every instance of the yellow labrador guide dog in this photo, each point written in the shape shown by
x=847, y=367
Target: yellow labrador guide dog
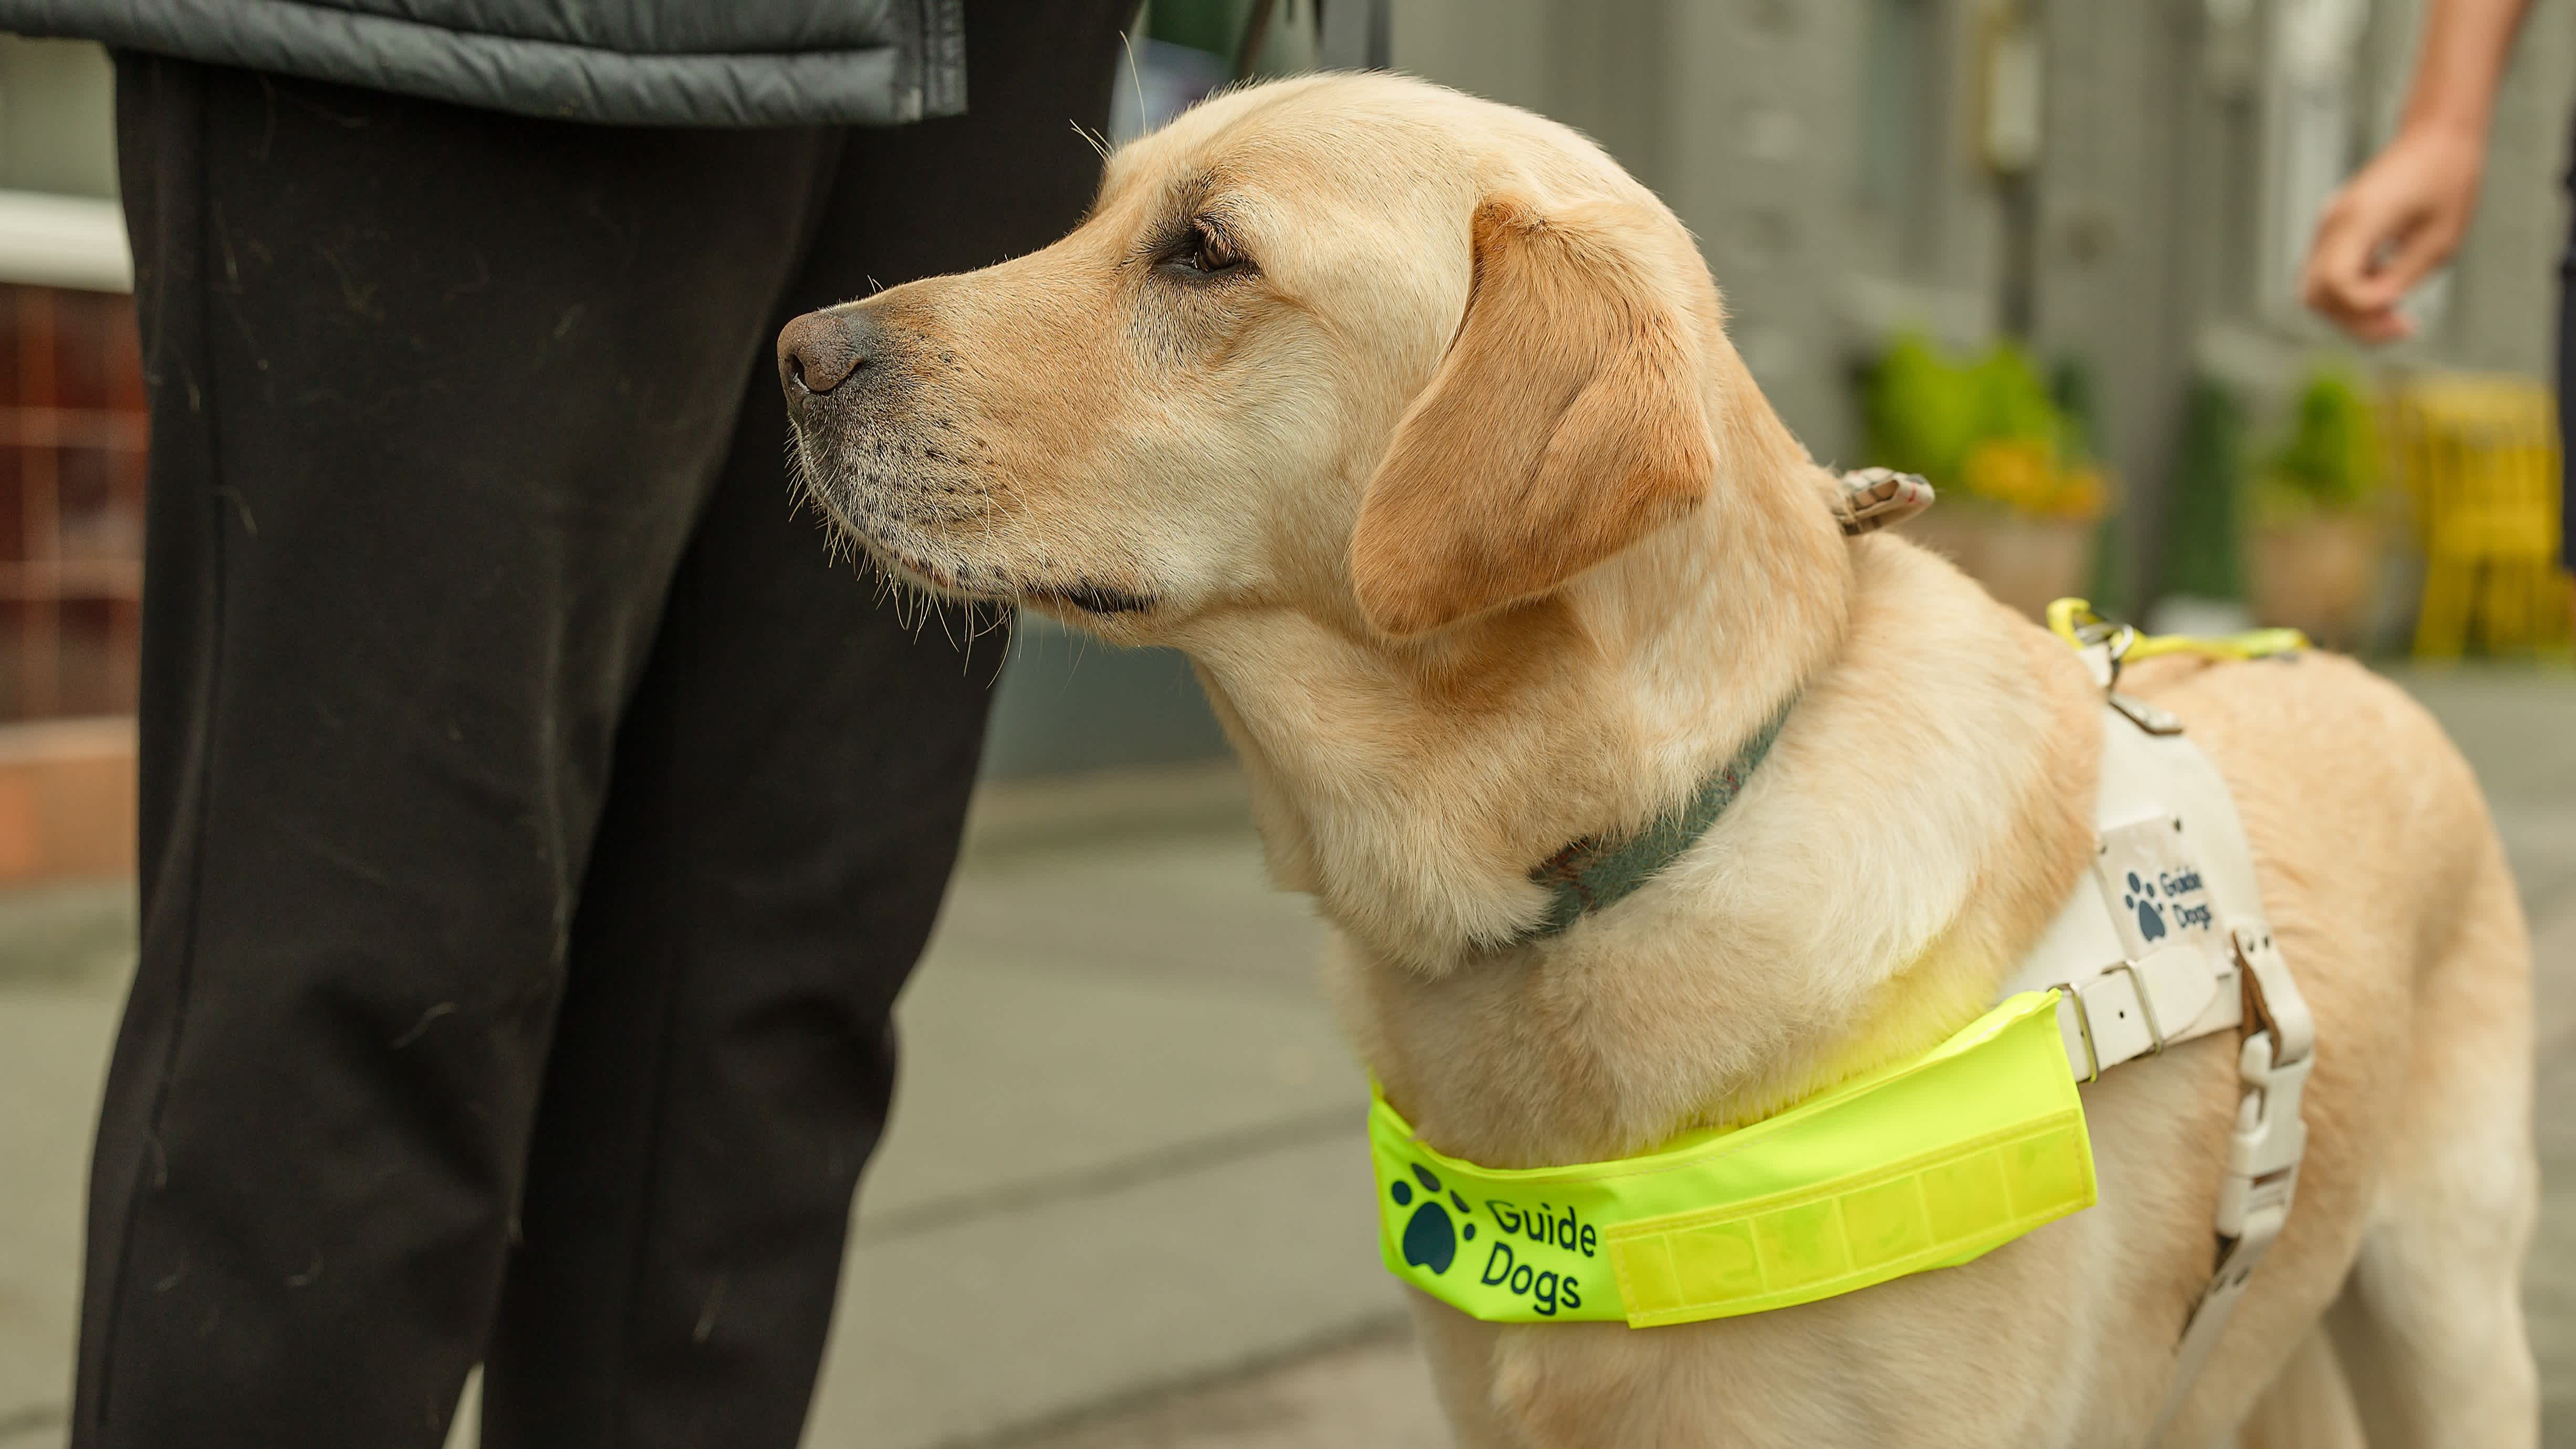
x=1667, y=813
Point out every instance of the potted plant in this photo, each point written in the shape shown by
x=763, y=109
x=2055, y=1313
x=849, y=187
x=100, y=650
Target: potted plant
x=2019, y=495
x=2317, y=525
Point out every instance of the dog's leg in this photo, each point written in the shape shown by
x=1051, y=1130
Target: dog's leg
x=2430, y=1324
x=2308, y=1406
x=2431, y=1327
x=1461, y=1354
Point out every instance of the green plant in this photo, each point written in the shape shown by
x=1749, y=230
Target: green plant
x=2012, y=404
x=1919, y=414
x=1986, y=429
x=2329, y=462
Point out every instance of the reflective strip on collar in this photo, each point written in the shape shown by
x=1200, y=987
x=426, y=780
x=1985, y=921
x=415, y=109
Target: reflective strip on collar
x=1927, y=1163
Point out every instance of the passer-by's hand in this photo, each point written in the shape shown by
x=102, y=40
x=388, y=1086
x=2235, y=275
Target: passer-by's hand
x=2389, y=227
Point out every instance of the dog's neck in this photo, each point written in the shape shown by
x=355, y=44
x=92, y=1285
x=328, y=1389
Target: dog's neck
x=1922, y=816
x=1412, y=788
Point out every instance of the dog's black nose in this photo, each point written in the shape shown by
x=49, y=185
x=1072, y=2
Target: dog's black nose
x=818, y=351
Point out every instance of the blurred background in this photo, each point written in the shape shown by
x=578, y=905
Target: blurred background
x=2042, y=251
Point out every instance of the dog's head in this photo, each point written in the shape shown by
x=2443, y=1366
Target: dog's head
x=1356, y=346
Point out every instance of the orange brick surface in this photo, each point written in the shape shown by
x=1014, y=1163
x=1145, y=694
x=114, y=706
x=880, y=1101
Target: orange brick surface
x=66, y=801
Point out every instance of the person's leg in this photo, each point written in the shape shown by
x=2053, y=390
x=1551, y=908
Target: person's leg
x=437, y=397
x=788, y=794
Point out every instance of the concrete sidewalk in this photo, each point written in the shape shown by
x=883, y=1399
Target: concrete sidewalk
x=1126, y=1156
x=1125, y=1200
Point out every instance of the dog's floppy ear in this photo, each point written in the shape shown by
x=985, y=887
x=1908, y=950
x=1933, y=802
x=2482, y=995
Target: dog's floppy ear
x=1565, y=423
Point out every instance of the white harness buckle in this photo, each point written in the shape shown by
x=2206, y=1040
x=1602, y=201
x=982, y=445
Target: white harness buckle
x=2263, y=1159
x=2262, y=1155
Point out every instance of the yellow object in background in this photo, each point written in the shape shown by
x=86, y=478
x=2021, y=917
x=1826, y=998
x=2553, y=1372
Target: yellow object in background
x=2480, y=459
x=2028, y=476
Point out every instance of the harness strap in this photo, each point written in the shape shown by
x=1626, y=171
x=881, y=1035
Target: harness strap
x=2106, y=645
x=2141, y=998
x=2136, y=1009
x=2262, y=1157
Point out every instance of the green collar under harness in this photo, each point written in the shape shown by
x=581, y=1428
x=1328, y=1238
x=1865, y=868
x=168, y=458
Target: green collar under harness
x=1925, y=1163
x=1593, y=874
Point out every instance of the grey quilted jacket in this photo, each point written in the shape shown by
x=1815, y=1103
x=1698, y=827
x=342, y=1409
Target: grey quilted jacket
x=633, y=62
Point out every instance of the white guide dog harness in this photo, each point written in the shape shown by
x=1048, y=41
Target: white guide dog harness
x=2166, y=941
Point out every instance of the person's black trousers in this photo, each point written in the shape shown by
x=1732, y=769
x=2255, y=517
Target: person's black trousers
x=536, y=823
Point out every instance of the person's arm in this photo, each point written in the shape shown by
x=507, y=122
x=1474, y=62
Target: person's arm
x=2404, y=214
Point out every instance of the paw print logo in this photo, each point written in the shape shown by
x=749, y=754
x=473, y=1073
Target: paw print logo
x=2142, y=899
x=1430, y=1238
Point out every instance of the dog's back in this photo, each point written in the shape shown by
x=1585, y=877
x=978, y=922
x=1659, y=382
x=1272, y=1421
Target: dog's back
x=2390, y=895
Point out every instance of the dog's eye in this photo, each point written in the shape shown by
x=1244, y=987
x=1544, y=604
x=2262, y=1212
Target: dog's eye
x=1208, y=251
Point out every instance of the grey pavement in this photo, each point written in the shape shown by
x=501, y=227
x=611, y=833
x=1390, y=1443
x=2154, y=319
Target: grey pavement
x=1125, y=1200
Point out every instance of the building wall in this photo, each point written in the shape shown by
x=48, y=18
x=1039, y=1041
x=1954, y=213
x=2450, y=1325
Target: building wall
x=2112, y=277
x=1826, y=153
x=2506, y=309
x=57, y=118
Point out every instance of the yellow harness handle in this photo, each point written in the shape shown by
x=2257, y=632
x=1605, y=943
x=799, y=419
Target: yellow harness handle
x=2074, y=621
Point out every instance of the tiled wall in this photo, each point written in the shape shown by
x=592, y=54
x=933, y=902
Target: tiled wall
x=71, y=502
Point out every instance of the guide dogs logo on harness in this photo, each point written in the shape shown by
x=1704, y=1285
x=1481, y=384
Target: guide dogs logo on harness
x=2152, y=881
x=1538, y=1252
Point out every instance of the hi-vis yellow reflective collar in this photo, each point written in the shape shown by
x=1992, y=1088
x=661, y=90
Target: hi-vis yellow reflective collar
x=1923, y=1164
